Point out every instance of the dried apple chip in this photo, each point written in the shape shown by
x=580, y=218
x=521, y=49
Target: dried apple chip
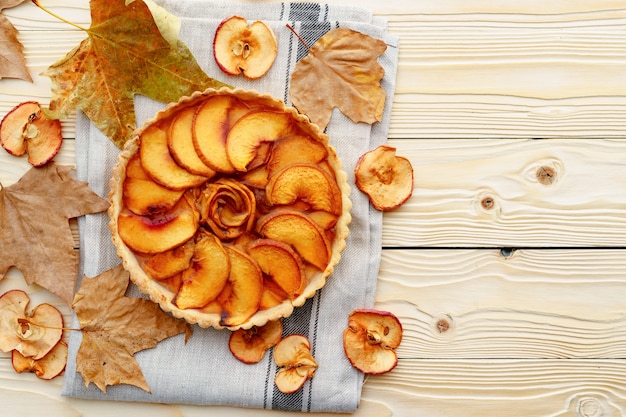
x=32, y=335
x=386, y=178
x=250, y=345
x=26, y=129
x=371, y=339
x=48, y=367
x=293, y=356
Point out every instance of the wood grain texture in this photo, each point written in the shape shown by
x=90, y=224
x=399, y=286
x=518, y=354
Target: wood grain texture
x=517, y=193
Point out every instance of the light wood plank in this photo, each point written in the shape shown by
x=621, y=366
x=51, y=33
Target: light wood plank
x=515, y=193
x=489, y=304
x=521, y=70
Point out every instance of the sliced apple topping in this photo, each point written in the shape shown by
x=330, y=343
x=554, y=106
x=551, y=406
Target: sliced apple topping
x=250, y=345
x=298, y=230
x=245, y=287
x=32, y=335
x=158, y=162
x=385, y=177
x=162, y=231
x=166, y=264
x=228, y=207
x=205, y=279
x=280, y=264
x=252, y=134
x=142, y=195
x=371, y=339
x=212, y=122
x=26, y=129
x=180, y=144
x=293, y=356
x=306, y=183
x=296, y=149
x=48, y=367
x=241, y=48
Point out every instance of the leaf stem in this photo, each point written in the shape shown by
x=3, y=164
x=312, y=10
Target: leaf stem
x=297, y=36
x=43, y=326
x=51, y=13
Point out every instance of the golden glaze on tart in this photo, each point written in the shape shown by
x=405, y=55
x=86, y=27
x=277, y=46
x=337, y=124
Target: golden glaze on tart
x=229, y=209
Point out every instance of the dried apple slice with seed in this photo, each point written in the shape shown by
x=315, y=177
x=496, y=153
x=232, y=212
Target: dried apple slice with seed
x=26, y=129
x=48, y=367
x=32, y=335
x=386, y=178
x=242, y=48
x=250, y=345
x=371, y=339
x=293, y=356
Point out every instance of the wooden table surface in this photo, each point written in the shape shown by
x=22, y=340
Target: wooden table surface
x=507, y=267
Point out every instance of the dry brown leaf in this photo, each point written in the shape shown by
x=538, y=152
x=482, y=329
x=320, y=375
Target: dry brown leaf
x=341, y=70
x=12, y=62
x=35, y=234
x=116, y=327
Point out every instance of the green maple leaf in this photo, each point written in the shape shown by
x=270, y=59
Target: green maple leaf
x=125, y=54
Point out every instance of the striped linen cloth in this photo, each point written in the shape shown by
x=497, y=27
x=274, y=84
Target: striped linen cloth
x=203, y=371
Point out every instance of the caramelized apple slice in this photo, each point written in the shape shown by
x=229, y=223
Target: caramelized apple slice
x=293, y=356
x=307, y=183
x=272, y=295
x=371, y=339
x=296, y=149
x=159, y=232
x=250, y=345
x=211, y=124
x=135, y=170
x=280, y=263
x=239, y=48
x=205, y=279
x=246, y=288
x=251, y=132
x=157, y=160
x=169, y=263
x=298, y=230
x=180, y=143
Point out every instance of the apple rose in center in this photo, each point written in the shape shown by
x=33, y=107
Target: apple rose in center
x=227, y=207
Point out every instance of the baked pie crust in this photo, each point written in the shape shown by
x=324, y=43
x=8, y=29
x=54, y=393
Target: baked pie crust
x=283, y=191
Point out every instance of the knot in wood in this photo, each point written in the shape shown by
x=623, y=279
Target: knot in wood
x=590, y=407
x=442, y=325
x=546, y=175
x=488, y=203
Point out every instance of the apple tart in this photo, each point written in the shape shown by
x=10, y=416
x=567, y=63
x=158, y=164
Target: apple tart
x=229, y=209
